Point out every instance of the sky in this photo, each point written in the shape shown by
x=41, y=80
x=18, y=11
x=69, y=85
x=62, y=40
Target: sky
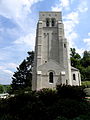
x=18, y=21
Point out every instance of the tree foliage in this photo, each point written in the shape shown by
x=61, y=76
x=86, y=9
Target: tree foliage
x=83, y=64
x=23, y=76
x=1, y=89
x=5, y=88
x=75, y=58
x=86, y=59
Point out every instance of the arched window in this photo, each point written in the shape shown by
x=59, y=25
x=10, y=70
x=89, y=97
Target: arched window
x=74, y=77
x=47, y=22
x=51, y=77
x=53, y=21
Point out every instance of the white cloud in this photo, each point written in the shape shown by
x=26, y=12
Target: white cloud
x=72, y=1
x=87, y=41
x=72, y=38
x=62, y=4
x=83, y=7
x=65, y=3
x=70, y=22
x=8, y=69
x=4, y=54
x=17, y=10
x=72, y=19
x=68, y=25
x=80, y=51
x=11, y=65
x=73, y=16
x=6, y=66
x=14, y=32
x=8, y=72
x=28, y=40
x=56, y=8
x=89, y=34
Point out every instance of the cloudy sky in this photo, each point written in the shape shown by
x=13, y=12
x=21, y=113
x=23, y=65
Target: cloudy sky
x=18, y=19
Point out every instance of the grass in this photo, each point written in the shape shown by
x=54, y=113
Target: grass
x=87, y=89
x=86, y=83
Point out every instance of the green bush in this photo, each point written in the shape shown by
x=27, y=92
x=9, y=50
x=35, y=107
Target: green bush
x=47, y=96
x=71, y=92
x=65, y=103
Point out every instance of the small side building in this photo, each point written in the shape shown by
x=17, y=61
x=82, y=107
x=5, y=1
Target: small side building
x=76, y=77
x=52, y=54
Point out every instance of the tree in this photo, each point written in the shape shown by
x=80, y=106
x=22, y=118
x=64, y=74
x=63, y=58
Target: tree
x=1, y=89
x=75, y=58
x=86, y=59
x=23, y=76
x=87, y=73
x=85, y=63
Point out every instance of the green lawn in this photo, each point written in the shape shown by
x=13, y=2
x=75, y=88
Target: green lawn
x=87, y=90
x=86, y=83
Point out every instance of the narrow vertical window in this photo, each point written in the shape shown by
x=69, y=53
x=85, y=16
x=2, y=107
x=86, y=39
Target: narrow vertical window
x=64, y=45
x=53, y=22
x=47, y=22
x=66, y=82
x=51, y=77
x=74, y=77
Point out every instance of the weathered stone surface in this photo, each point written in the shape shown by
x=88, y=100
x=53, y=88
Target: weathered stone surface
x=52, y=54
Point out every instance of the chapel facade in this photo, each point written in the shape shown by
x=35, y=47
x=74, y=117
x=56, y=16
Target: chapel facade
x=52, y=64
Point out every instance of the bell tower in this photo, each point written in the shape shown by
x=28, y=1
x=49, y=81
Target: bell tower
x=51, y=60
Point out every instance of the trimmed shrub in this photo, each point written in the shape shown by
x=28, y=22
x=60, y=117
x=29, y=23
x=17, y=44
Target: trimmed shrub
x=71, y=92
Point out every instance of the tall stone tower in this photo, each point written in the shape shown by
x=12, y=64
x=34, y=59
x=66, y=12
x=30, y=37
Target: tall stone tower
x=51, y=60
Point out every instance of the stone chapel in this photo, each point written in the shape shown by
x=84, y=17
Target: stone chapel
x=52, y=58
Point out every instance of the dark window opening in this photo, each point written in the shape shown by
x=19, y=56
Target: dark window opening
x=74, y=77
x=66, y=82
x=47, y=22
x=53, y=22
x=64, y=45
x=51, y=77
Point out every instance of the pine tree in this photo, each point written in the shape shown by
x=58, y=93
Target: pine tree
x=23, y=76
